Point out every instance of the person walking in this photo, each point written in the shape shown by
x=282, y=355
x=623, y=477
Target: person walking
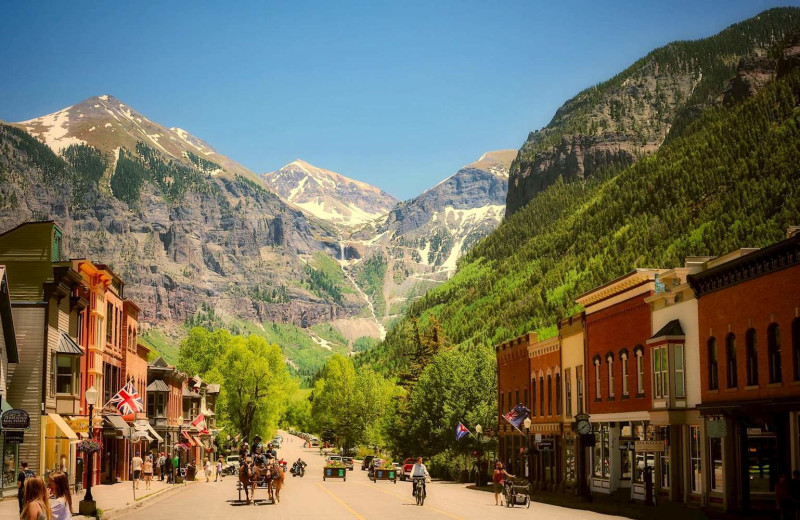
x=147, y=470
x=207, y=469
x=136, y=466
x=37, y=501
x=24, y=474
x=176, y=466
x=60, y=497
x=498, y=479
x=169, y=469
x=162, y=466
x=218, y=473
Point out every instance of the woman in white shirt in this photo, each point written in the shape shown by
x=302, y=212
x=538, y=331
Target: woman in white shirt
x=60, y=498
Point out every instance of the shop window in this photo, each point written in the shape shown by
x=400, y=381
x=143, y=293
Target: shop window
x=680, y=379
x=597, y=394
x=730, y=357
x=774, y=351
x=796, y=348
x=664, y=457
x=67, y=375
x=762, y=463
x=569, y=459
x=568, y=390
x=623, y=358
x=643, y=459
x=713, y=367
x=695, y=463
x=715, y=459
x=660, y=372
x=639, y=353
x=601, y=451
x=752, y=357
x=610, y=363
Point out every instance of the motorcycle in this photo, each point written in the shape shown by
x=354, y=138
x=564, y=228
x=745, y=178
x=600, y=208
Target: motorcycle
x=230, y=470
x=298, y=470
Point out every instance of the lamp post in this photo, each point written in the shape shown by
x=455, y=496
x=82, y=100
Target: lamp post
x=88, y=503
x=180, y=441
x=528, y=464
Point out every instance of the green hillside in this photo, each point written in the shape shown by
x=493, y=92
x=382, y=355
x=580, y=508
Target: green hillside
x=729, y=181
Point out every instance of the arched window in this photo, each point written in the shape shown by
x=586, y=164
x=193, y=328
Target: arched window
x=533, y=397
x=541, y=394
x=752, y=357
x=713, y=364
x=610, y=362
x=597, y=394
x=730, y=357
x=558, y=393
x=623, y=360
x=549, y=394
x=774, y=352
x=639, y=353
x=796, y=348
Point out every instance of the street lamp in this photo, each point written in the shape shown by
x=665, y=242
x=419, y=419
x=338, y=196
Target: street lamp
x=527, y=424
x=91, y=398
x=180, y=440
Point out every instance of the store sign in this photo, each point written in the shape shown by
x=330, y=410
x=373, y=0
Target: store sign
x=14, y=436
x=15, y=420
x=649, y=446
x=716, y=429
x=78, y=424
x=754, y=431
x=627, y=445
x=546, y=445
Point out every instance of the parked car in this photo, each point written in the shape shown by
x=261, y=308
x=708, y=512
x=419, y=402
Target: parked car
x=408, y=466
x=314, y=442
x=365, y=463
x=348, y=462
x=333, y=458
x=276, y=443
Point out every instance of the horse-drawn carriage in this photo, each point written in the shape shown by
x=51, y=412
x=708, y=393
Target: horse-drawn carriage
x=261, y=474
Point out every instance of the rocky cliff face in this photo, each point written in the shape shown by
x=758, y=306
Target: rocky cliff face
x=220, y=239
x=611, y=125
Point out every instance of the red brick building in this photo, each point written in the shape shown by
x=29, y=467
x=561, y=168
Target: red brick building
x=618, y=391
x=749, y=322
x=546, y=406
x=513, y=372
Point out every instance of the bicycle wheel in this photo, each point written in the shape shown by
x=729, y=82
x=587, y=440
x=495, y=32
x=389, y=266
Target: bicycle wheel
x=418, y=499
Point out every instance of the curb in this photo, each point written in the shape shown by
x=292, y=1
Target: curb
x=110, y=514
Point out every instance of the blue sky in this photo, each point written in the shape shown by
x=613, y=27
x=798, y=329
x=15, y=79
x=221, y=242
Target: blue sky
x=398, y=94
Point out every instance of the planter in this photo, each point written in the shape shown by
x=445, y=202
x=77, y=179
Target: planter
x=385, y=474
x=334, y=472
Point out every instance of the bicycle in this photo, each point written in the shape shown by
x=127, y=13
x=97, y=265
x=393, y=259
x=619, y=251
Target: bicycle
x=419, y=490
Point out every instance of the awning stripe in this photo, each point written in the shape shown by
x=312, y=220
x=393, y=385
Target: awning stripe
x=63, y=426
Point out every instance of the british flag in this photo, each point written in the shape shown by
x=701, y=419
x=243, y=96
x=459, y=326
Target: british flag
x=128, y=401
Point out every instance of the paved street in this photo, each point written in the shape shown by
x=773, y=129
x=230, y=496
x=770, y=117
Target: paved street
x=359, y=498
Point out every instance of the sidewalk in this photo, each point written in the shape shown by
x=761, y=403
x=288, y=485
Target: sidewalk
x=112, y=499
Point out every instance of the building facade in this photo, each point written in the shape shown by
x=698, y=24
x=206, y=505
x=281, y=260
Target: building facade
x=546, y=405
x=571, y=339
x=618, y=391
x=749, y=322
x=9, y=356
x=513, y=388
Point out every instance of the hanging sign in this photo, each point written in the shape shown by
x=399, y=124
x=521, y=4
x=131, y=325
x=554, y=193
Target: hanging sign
x=649, y=446
x=15, y=420
x=14, y=436
x=716, y=429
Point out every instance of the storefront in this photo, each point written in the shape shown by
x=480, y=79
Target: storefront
x=547, y=463
x=113, y=457
x=59, y=446
x=615, y=464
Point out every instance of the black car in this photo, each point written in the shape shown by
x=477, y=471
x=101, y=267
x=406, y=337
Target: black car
x=365, y=463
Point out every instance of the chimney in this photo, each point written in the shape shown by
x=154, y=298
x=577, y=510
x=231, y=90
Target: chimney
x=792, y=231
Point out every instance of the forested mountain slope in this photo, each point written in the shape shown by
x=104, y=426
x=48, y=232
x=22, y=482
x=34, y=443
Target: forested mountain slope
x=730, y=180
x=611, y=125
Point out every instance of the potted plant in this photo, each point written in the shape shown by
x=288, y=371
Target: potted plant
x=334, y=469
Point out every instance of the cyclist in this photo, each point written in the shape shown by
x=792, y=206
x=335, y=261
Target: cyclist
x=419, y=471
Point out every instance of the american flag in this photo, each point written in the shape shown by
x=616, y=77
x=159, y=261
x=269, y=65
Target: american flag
x=128, y=401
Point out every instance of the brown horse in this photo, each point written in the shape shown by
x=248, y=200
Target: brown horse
x=275, y=481
x=248, y=476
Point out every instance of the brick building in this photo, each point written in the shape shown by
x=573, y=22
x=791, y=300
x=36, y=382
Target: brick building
x=513, y=380
x=749, y=322
x=618, y=384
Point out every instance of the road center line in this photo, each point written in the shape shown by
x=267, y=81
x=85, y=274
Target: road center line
x=342, y=502
x=445, y=513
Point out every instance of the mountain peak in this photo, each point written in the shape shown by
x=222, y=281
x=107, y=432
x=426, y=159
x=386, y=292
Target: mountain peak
x=328, y=195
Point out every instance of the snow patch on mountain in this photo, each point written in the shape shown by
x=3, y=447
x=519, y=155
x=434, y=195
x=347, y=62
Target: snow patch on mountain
x=53, y=130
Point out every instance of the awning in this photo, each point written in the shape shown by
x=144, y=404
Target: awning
x=197, y=442
x=157, y=385
x=63, y=426
x=66, y=345
x=4, y=406
x=143, y=435
x=117, y=422
x=154, y=434
x=189, y=439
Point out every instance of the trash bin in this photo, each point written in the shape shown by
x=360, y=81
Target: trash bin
x=190, y=471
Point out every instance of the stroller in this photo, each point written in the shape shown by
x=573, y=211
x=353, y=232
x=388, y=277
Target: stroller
x=516, y=494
